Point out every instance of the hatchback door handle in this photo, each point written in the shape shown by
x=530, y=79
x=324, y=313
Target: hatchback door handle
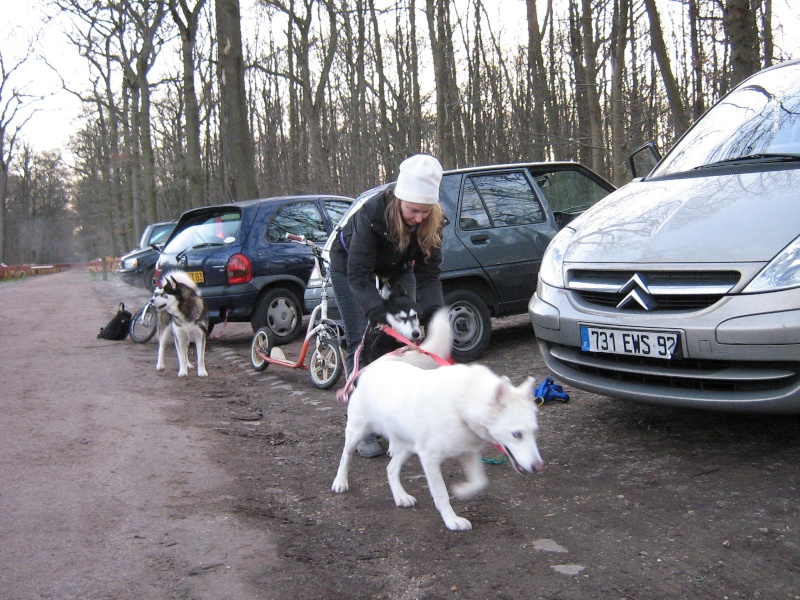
x=481, y=238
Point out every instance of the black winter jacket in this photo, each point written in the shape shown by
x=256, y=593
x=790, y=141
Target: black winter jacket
x=363, y=250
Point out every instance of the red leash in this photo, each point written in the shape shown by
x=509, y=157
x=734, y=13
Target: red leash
x=443, y=362
x=344, y=394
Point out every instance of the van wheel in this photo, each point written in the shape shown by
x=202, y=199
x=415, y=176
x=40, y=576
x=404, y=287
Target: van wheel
x=279, y=311
x=471, y=324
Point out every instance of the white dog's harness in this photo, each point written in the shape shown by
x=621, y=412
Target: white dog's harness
x=344, y=394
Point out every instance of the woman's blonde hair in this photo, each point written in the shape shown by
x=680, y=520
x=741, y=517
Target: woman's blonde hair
x=429, y=232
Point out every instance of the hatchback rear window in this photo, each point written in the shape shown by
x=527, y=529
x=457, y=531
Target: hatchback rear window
x=206, y=229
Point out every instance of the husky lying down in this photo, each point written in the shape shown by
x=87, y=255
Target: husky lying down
x=440, y=413
x=181, y=315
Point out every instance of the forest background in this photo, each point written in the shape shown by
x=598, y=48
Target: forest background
x=183, y=104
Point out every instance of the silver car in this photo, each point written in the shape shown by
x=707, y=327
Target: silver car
x=683, y=287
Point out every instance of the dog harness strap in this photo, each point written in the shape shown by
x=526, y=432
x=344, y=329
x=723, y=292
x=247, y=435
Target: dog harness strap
x=444, y=362
x=343, y=395
x=219, y=333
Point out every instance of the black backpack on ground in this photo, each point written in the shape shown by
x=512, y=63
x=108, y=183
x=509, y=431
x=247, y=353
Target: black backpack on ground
x=118, y=327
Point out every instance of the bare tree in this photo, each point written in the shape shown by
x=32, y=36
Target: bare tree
x=237, y=141
x=448, y=104
x=619, y=43
x=674, y=96
x=741, y=29
x=187, y=20
x=539, y=90
x=16, y=109
x=138, y=56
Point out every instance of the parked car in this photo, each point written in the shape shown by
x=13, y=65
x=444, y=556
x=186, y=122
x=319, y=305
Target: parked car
x=137, y=267
x=683, y=287
x=245, y=267
x=500, y=219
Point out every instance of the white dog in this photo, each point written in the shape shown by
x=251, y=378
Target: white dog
x=182, y=315
x=441, y=413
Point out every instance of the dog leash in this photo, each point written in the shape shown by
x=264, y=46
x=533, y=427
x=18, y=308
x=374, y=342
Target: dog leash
x=219, y=333
x=343, y=394
x=409, y=345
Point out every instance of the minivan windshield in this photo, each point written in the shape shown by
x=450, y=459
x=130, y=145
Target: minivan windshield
x=759, y=121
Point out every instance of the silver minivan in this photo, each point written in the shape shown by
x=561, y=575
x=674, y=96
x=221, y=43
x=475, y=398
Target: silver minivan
x=683, y=287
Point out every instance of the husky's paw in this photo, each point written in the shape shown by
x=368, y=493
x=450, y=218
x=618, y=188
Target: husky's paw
x=339, y=487
x=160, y=367
x=405, y=500
x=202, y=373
x=184, y=373
x=457, y=523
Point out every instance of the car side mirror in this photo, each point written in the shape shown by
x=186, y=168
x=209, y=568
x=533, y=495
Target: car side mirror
x=644, y=159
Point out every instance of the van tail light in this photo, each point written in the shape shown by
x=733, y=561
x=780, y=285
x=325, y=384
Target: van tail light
x=239, y=269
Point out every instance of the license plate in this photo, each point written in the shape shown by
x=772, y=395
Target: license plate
x=631, y=342
x=196, y=276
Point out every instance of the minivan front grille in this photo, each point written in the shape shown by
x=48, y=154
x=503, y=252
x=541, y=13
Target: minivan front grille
x=649, y=291
x=732, y=377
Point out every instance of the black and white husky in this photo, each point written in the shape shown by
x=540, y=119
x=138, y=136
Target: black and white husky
x=182, y=316
x=401, y=315
x=439, y=413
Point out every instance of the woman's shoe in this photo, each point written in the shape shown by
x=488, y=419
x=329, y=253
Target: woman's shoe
x=369, y=446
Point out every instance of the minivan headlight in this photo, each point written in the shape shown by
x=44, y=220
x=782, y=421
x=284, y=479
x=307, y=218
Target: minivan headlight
x=783, y=271
x=552, y=270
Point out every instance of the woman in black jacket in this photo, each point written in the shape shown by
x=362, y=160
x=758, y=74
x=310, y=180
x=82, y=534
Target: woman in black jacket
x=395, y=236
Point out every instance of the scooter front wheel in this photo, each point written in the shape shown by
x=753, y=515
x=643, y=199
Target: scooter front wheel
x=144, y=324
x=259, y=348
x=327, y=363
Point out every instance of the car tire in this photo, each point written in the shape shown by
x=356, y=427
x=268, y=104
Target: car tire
x=471, y=323
x=280, y=311
x=150, y=280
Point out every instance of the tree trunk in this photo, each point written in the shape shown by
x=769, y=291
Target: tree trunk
x=447, y=103
x=741, y=29
x=538, y=85
x=592, y=89
x=697, y=61
x=674, y=96
x=237, y=142
x=619, y=42
x=188, y=26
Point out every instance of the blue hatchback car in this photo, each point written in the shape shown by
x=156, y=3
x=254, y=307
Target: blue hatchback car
x=245, y=267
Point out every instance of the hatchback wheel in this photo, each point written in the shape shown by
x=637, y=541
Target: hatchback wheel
x=279, y=311
x=471, y=323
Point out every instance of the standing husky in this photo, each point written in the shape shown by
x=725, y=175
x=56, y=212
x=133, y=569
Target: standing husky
x=441, y=413
x=182, y=315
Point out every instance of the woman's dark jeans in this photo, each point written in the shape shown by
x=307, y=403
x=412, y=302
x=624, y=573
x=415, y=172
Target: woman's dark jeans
x=355, y=323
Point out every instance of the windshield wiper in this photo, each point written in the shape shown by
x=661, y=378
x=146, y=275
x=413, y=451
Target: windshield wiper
x=763, y=157
x=203, y=245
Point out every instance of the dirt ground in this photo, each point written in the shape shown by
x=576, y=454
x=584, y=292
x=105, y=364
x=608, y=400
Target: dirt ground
x=120, y=482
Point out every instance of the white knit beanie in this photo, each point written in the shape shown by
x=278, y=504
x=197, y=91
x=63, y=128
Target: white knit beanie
x=419, y=180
